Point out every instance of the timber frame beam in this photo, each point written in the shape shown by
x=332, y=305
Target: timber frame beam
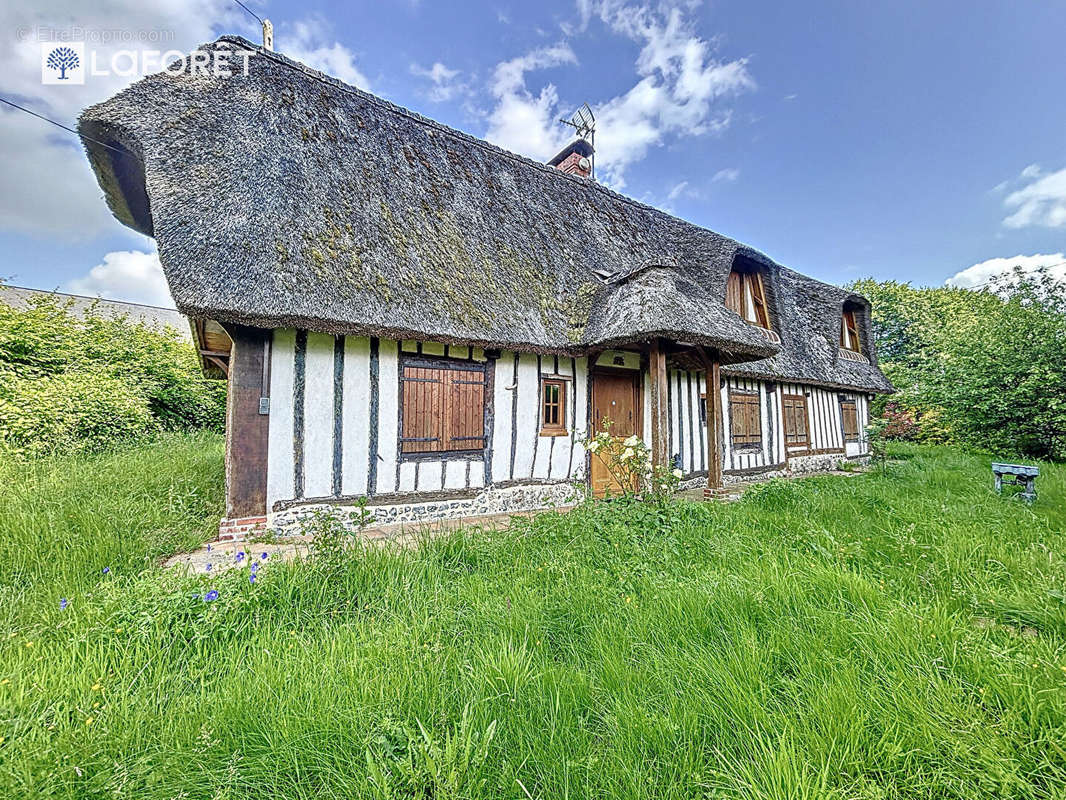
x=714, y=423
x=660, y=422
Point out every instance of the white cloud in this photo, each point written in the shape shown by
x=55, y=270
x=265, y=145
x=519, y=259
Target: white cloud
x=443, y=79
x=727, y=175
x=980, y=274
x=49, y=189
x=130, y=275
x=678, y=92
x=308, y=41
x=1042, y=202
x=522, y=121
x=677, y=191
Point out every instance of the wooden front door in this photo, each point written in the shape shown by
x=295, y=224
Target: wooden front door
x=616, y=396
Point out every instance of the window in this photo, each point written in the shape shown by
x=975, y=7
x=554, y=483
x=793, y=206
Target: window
x=744, y=294
x=442, y=407
x=849, y=418
x=553, y=407
x=849, y=332
x=794, y=407
x=703, y=408
x=745, y=426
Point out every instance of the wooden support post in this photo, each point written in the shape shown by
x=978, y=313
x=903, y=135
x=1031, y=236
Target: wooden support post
x=714, y=424
x=660, y=431
x=246, y=425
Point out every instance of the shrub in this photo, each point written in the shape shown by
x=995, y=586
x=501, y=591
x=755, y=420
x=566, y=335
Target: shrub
x=70, y=383
x=629, y=463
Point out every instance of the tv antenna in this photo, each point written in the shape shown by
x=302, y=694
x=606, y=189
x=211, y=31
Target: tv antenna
x=584, y=124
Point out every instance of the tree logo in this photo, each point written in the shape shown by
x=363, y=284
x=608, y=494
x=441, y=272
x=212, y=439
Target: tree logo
x=62, y=64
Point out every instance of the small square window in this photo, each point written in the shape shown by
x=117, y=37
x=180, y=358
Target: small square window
x=553, y=408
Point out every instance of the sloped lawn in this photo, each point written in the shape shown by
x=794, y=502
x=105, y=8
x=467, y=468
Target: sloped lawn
x=883, y=636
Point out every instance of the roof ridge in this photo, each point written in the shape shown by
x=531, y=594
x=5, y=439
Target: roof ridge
x=88, y=297
x=429, y=122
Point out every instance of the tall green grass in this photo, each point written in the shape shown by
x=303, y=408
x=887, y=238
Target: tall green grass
x=882, y=636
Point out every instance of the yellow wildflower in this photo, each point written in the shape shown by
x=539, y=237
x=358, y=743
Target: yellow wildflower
x=89, y=721
x=97, y=687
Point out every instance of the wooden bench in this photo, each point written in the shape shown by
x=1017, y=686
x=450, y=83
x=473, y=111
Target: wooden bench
x=1018, y=474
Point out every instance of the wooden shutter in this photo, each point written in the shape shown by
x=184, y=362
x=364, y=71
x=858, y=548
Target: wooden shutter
x=734, y=293
x=745, y=427
x=422, y=409
x=758, y=300
x=794, y=407
x=464, y=413
x=850, y=418
x=442, y=409
x=849, y=332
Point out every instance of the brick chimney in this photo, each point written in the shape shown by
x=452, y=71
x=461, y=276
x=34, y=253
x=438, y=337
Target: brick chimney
x=574, y=159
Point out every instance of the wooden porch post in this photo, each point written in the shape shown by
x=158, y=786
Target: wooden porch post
x=659, y=411
x=714, y=423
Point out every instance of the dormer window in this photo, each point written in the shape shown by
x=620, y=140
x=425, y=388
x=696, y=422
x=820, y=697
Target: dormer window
x=850, y=343
x=744, y=294
x=849, y=332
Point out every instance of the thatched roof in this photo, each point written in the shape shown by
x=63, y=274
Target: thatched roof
x=287, y=198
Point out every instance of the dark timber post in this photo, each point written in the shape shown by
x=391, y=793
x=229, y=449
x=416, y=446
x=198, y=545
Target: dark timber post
x=714, y=423
x=660, y=431
x=246, y=426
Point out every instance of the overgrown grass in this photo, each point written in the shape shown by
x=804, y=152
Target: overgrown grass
x=881, y=636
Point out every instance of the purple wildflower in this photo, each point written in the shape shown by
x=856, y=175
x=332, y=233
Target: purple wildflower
x=211, y=596
x=255, y=566
x=251, y=578
x=208, y=567
x=62, y=603
x=106, y=570
x=240, y=556
x=209, y=548
x=264, y=556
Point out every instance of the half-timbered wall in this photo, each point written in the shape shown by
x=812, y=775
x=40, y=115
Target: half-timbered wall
x=688, y=428
x=335, y=409
x=334, y=420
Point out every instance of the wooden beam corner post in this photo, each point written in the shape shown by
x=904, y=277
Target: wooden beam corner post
x=247, y=424
x=660, y=414
x=714, y=423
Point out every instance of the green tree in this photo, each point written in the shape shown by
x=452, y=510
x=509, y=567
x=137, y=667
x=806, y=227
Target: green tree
x=985, y=368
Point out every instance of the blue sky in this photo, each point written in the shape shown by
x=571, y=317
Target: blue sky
x=907, y=140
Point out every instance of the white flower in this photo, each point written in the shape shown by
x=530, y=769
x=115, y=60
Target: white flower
x=592, y=446
x=627, y=454
x=632, y=441
x=678, y=473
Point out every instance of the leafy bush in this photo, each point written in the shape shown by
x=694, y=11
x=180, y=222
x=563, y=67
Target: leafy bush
x=982, y=368
x=68, y=383
x=629, y=463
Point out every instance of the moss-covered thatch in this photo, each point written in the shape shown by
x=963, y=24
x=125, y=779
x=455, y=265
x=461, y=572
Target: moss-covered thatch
x=286, y=198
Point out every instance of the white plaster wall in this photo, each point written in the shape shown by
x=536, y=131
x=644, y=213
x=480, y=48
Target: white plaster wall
x=388, y=414
x=280, y=455
x=355, y=430
x=318, y=416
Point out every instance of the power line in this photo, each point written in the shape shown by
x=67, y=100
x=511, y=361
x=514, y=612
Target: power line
x=69, y=130
x=242, y=5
